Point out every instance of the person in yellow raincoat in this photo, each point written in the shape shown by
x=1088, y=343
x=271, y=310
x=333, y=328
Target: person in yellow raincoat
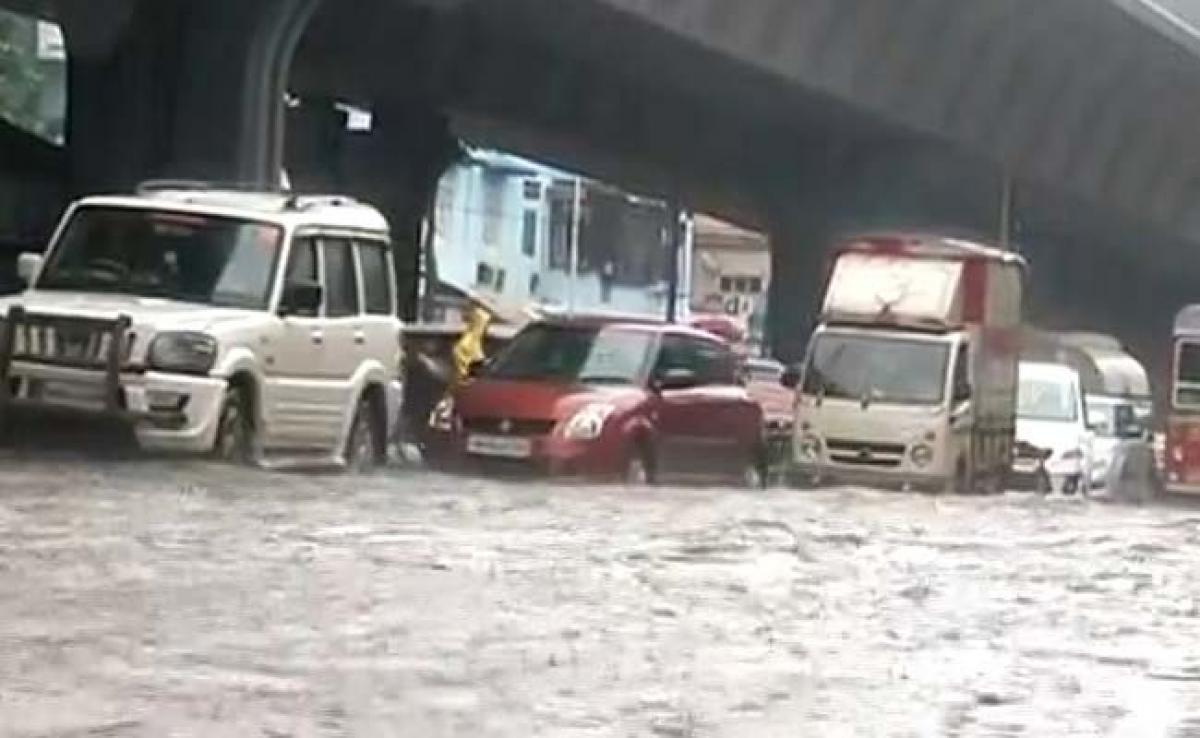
x=468, y=349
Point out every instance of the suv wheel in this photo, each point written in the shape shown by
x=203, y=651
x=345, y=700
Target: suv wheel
x=364, y=447
x=235, y=429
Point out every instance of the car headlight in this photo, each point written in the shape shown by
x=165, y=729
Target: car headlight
x=921, y=455
x=588, y=423
x=443, y=416
x=183, y=352
x=809, y=448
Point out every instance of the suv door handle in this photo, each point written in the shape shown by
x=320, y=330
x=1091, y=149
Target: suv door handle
x=318, y=337
x=359, y=338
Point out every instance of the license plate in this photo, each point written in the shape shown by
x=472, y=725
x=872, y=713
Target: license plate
x=72, y=394
x=502, y=447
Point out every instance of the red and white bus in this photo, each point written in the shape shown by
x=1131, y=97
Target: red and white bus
x=1183, y=425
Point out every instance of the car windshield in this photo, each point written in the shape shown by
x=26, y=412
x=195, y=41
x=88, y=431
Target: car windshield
x=193, y=258
x=1046, y=399
x=875, y=369
x=576, y=354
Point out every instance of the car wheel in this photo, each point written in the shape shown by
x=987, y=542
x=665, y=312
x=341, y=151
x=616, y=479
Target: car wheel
x=364, y=447
x=639, y=469
x=755, y=473
x=235, y=429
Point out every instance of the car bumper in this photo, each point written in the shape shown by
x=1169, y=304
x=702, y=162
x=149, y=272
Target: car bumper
x=167, y=412
x=549, y=456
x=823, y=474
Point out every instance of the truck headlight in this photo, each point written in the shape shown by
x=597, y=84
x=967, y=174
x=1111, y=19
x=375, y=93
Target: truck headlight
x=588, y=423
x=443, y=416
x=184, y=352
x=921, y=455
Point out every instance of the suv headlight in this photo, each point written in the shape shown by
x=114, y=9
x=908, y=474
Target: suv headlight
x=588, y=423
x=922, y=455
x=184, y=352
x=443, y=416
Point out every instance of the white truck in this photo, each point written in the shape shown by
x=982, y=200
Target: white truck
x=911, y=375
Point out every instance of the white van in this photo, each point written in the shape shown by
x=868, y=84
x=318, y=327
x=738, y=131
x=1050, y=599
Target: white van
x=1052, y=417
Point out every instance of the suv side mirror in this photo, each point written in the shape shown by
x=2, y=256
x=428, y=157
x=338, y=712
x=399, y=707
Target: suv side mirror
x=28, y=266
x=790, y=377
x=963, y=392
x=676, y=379
x=301, y=298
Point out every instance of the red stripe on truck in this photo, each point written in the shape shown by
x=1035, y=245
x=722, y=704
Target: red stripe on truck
x=974, y=290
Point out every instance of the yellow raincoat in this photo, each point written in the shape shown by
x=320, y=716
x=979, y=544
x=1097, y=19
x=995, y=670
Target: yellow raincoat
x=469, y=348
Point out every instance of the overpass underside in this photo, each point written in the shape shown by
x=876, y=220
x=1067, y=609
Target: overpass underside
x=806, y=118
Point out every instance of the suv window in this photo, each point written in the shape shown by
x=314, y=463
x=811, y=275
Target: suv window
x=302, y=266
x=377, y=283
x=341, y=280
x=712, y=363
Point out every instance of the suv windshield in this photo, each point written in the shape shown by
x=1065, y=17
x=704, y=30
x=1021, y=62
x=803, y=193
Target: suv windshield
x=147, y=253
x=1046, y=399
x=875, y=369
x=587, y=355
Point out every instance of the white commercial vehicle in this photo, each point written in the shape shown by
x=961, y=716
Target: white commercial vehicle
x=253, y=326
x=911, y=374
x=1116, y=389
x=1052, y=418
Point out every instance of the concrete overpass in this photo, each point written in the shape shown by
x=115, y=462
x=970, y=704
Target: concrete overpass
x=802, y=117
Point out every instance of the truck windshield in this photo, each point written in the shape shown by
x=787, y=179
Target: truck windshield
x=586, y=355
x=148, y=253
x=876, y=369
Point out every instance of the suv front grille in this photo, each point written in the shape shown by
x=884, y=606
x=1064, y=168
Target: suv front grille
x=504, y=427
x=82, y=343
x=865, y=453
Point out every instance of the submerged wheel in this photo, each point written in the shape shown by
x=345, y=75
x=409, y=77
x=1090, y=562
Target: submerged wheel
x=235, y=429
x=365, y=446
x=639, y=468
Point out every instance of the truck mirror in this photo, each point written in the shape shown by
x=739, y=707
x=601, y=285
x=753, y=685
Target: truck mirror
x=963, y=392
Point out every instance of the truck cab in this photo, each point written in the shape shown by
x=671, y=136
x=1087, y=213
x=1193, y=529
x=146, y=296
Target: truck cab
x=910, y=376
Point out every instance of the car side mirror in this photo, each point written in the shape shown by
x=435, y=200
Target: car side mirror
x=790, y=377
x=28, y=266
x=302, y=299
x=676, y=379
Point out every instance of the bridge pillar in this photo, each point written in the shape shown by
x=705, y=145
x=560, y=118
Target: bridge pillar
x=178, y=88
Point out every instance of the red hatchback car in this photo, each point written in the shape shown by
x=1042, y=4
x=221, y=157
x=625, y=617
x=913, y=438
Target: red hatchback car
x=606, y=399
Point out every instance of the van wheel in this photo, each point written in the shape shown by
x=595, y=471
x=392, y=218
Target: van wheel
x=639, y=468
x=364, y=447
x=235, y=429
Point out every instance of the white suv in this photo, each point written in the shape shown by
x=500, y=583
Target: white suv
x=253, y=326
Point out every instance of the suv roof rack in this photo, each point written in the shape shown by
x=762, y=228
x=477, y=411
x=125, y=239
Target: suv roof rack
x=151, y=186
x=304, y=201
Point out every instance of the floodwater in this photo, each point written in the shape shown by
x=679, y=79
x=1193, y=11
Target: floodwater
x=158, y=598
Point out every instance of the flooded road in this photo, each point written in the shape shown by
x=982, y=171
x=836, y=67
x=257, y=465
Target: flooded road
x=151, y=598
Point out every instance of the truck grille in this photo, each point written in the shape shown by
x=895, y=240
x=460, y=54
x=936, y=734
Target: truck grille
x=865, y=453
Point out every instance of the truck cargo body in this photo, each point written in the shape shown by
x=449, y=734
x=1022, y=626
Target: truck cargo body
x=911, y=375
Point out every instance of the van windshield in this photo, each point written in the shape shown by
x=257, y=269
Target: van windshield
x=877, y=369
x=1047, y=399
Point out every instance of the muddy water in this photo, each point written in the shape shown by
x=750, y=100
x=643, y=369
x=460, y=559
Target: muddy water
x=149, y=599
